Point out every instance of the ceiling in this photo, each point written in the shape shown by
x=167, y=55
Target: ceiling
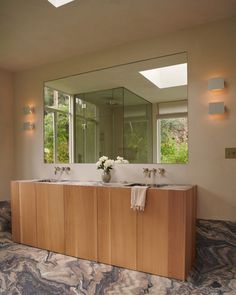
x=33, y=32
x=127, y=76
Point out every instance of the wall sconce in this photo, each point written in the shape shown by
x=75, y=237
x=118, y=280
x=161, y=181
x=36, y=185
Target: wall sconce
x=28, y=126
x=216, y=108
x=216, y=83
x=28, y=110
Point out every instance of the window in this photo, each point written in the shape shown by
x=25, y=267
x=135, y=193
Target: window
x=172, y=132
x=57, y=126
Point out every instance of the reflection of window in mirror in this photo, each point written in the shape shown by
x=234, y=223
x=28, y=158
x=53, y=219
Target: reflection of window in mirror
x=172, y=132
x=137, y=110
x=57, y=127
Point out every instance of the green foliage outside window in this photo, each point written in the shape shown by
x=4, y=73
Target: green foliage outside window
x=62, y=139
x=174, y=140
x=48, y=137
x=135, y=141
x=57, y=111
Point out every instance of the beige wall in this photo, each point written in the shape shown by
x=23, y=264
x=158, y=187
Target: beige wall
x=211, y=52
x=6, y=132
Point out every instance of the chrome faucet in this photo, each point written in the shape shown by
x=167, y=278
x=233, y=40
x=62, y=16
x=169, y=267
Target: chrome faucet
x=58, y=169
x=148, y=172
x=161, y=171
x=154, y=171
x=66, y=169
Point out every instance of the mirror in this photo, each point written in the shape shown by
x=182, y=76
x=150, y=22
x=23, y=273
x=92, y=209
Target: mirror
x=137, y=111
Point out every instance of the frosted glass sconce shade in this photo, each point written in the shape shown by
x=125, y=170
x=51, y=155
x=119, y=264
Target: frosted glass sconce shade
x=216, y=108
x=27, y=110
x=216, y=84
x=28, y=126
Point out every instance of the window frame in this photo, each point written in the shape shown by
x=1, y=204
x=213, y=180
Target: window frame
x=160, y=117
x=55, y=111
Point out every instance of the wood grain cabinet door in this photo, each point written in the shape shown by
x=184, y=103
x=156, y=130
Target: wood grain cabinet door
x=50, y=217
x=27, y=198
x=23, y=201
x=104, y=225
x=161, y=234
x=153, y=233
x=81, y=221
x=123, y=229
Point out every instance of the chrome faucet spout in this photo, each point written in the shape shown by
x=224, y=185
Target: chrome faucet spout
x=153, y=171
x=66, y=169
x=57, y=169
x=146, y=172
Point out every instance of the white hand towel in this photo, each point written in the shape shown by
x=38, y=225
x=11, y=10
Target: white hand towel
x=138, y=197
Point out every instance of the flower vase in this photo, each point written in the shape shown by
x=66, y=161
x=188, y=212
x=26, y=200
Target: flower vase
x=106, y=176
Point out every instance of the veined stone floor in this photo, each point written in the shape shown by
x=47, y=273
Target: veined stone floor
x=27, y=270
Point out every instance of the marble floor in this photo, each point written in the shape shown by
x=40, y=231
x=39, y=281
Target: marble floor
x=27, y=270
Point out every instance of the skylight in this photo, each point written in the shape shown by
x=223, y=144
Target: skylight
x=58, y=3
x=167, y=77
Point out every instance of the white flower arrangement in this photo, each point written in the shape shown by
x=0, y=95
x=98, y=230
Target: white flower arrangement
x=105, y=164
x=121, y=160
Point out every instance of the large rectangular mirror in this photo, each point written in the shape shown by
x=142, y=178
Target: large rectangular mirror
x=138, y=111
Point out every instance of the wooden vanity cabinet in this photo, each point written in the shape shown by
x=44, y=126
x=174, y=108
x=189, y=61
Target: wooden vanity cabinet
x=50, y=217
x=23, y=204
x=166, y=231
x=117, y=234
x=160, y=240
x=97, y=223
x=81, y=221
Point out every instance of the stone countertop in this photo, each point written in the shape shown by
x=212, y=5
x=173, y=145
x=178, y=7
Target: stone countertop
x=110, y=184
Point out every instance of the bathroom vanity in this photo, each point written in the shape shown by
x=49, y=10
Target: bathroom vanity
x=95, y=222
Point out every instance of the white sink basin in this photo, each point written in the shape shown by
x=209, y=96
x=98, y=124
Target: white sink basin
x=115, y=184
x=68, y=181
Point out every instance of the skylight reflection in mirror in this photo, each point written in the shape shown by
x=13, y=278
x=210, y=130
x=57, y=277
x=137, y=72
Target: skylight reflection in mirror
x=166, y=77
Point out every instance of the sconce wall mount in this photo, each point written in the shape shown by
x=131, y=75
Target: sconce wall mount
x=28, y=124
x=27, y=110
x=216, y=83
x=216, y=108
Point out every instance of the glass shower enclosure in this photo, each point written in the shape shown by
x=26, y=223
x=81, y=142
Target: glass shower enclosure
x=112, y=122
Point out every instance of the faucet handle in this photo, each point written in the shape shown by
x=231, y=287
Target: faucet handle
x=66, y=169
x=57, y=169
x=154, y=171
x=145, y=171
x=161, y=171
